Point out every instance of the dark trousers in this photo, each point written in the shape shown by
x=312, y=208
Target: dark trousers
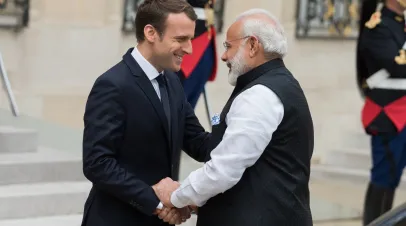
x=388, y=159
x=388, y=162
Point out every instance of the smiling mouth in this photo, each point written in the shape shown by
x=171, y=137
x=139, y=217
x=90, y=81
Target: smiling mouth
x=178, y=57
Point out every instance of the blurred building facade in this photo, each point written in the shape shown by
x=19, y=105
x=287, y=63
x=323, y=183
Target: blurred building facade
x=53, y=63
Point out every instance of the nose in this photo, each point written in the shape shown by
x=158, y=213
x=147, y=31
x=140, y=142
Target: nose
x=224, y=57
x=187, y=47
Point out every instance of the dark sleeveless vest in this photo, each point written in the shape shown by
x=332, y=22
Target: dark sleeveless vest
x=274, y=191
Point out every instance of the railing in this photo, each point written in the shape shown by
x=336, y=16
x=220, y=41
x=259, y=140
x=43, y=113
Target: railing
x=327, y=19
x=395, y=217
x=14, y=14
x=7, y=86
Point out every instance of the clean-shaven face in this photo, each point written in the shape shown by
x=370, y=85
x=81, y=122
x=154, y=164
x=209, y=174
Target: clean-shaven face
x=176, y=41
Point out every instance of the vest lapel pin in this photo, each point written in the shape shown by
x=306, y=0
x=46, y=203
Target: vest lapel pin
x=215, y=120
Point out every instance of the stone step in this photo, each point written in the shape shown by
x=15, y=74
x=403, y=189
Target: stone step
x=355, y=139
x=44, y=199
x=16, y=140
x=67, y=220
x=336, y=173
x=46, y=165
x=348, y=158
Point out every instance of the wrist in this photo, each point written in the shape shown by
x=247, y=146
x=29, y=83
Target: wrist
x=154, y=188
x=158, y=208
x=193, y=209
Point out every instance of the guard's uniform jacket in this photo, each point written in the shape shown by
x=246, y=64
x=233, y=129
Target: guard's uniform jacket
x=205, y=34
x=200, y=66
x=381, y=48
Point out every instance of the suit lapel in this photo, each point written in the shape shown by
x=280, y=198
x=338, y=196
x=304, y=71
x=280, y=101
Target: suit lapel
x=145, y=84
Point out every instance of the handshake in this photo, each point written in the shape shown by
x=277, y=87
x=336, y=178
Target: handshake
x=169, y=213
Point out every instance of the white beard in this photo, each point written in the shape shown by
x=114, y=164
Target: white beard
x=238, y=66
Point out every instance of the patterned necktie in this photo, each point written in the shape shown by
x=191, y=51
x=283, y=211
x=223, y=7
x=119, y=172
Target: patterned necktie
x=164, y=97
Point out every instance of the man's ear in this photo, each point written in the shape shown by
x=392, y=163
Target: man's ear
x=150, y=33
x=254, y=46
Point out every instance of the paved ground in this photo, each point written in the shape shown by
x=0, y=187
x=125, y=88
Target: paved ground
x=75, y=221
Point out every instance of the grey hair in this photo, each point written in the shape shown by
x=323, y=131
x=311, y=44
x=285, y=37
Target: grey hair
x=269, y=33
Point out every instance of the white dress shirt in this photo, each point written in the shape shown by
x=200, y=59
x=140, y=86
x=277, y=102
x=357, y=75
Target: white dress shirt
x=151, y=72
x=253, y=117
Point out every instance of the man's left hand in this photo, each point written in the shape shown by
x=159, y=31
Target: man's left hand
x=164, y=190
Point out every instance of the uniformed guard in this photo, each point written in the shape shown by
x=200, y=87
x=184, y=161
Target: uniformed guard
x=381, y=75
x=201, y=65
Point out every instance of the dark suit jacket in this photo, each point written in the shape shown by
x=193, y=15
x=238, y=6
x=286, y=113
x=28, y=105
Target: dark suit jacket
x=127, y=145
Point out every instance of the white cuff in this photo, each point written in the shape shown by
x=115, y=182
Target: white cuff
x=160, y=206
x=175, y=201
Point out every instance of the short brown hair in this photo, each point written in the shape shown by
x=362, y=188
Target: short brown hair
x=155, y=12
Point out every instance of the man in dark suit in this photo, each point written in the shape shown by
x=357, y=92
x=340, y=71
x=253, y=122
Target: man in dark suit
x=137, y=120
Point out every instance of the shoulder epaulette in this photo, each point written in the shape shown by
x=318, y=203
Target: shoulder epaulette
x=210, y=17
x=375, y=17
x=374, y=20
x=401, y=59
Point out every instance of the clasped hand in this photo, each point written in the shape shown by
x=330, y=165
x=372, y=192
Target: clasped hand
x=169, y=213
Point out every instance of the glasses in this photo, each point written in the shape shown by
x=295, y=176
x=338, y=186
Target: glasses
x=227, y=45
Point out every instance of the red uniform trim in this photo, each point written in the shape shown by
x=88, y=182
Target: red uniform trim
x=370, y=111
x=199, y=45
x=396, y=111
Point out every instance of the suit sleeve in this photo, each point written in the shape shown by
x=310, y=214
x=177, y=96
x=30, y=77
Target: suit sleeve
x=104, y=122
x=196, y=139
x=382, y=49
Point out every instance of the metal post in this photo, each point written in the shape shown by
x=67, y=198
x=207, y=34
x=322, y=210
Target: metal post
x=7, y=86
x=206, y=103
